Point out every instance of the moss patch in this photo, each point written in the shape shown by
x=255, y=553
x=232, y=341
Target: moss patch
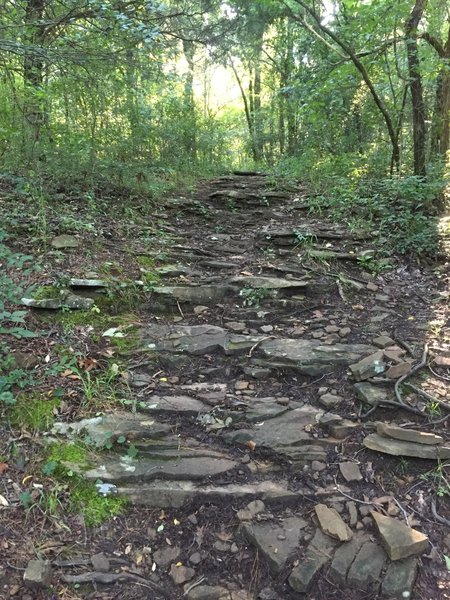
x=35, y=411
x=83, y=496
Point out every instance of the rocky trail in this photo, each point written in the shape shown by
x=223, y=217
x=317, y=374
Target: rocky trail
x=288, y=415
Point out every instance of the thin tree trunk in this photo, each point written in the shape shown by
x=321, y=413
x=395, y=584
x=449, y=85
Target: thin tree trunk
x=33, y=74
x=379, y=102
x=418, y=104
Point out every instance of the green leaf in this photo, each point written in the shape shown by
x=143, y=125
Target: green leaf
x=447, y=562
x=49, y=467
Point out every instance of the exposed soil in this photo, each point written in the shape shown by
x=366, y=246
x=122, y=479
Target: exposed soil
x=237, y=226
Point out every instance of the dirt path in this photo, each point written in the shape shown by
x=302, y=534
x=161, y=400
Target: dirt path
x=264, y=359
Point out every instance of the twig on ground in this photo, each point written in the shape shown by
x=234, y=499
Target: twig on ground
x=253, y=348
x=442, y=520
x=438, y=374
x=341, y=291
x=194, y=585
x=419, y=366
x=179, y=308
x=428, y=396
x=108, y=578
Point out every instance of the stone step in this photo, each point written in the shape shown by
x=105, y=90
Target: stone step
x=174, y=494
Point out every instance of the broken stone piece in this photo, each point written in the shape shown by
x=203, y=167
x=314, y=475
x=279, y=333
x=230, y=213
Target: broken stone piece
x=317, y=554
x=383, y=341
x=403, y=448
x=368, y=367
x=164, y=556
x=408, y=435
x=366, y=568
x=399, y=579
x=251, y=510
x=397, y=371
x=370, y=393
x=181, y=574
x=332, y=524
x=65, y=241
x=330, y=400
x=100, y=562
x=344, y=557
x=399, y=540
x=38, y=574
x=350, y=471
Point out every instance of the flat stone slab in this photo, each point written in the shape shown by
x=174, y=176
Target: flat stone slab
x=269, y=283
x=372, y=394
x=185, y=405
x=310, y=357
x=286, y=435
x=366, y=569
x=318, y=553
x=101, y=430
x=350, y=471
x=63, y=301
x=276, y=542
x=65, y=241
x=183, y=465
x=408, y=435
x=399, y=540
x=332, y=524
x=399, y=578
x=402, y=448
x=196, y=340
x=344, y=557
x=87, y=283
x=191, y=294
x=368, y=367
x=174, y=494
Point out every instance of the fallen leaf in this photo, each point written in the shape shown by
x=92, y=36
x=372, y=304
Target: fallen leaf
x=3, y=467
x=251, y=445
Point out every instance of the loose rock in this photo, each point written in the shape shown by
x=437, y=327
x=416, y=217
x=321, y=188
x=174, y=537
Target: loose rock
x=332, y=524
x=399, y=540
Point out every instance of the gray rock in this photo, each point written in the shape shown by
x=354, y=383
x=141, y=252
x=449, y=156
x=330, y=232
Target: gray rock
x=192, y=465
x=350, y=471
x=368, y=367
x=353, y=513
x=383, y=341
x=318, y=553
x=208, y=592
x=330, y=400
x=174, y=494
x=269, y=283
x=185, y=405
x=195, y=558
x=399, y=540
x=408, y=435
x=372, y=394
x=342, y=429
x=109, y=427
x=236, y=326
x=286, y=435
x=65, y=241
x=251, y=510
x=310, y=357
x=276, y=542
x=38, y=574
x=181, y=574
x=264, y=408
x=172, y=270
x=196, y=340
x=170, y=296
x=365, y=571
x=64, y=300
x=332, y=524
x=399, y=579
x=258, y=372
x=166, y=555
x=318, y=466
x=403, y=448
x=87, y=283
x=100, y=562
x=344, y=557
x=25, y=360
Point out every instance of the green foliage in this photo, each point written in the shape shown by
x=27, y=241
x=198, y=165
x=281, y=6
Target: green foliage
x=253, y=296
x=34, y=410
x=81, y=496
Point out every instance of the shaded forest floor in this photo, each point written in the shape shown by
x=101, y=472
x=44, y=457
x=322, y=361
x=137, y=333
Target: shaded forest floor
x=223, y=316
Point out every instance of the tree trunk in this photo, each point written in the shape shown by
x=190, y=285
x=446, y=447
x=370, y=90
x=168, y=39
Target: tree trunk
x=352, y=55
x=190, y=137
x=418, y=105
x=440, y=129
x=33, y=74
